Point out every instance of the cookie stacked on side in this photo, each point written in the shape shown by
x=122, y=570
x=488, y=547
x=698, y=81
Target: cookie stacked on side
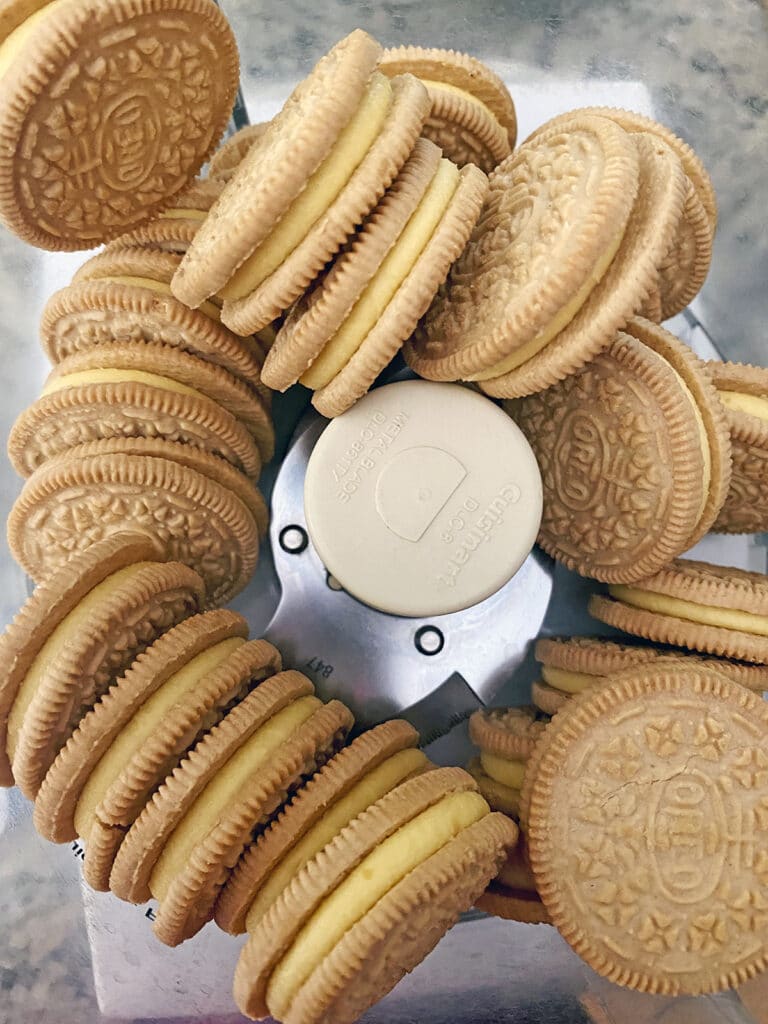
x=635, y=456
x=743, y=391
x=153, y=418
x=506, y=738
x=555, y=267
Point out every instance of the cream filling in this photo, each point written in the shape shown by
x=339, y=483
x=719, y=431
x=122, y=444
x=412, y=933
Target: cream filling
x=380, y=291
x=372, y=879
x=502, y=769
x=566, y=681
x=12, y=45
x=467, y=97
x=371, y=788
x=112, y=376
x=321, y=190
x=68, y=631
x=143, y=723
x=706, y=615
x=206, y=810
x=752, y=405
x=559, y=322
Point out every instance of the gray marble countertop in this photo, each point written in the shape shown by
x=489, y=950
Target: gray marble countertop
x=705, y=66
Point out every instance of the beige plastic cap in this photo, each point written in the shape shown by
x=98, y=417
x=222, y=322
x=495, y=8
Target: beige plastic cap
x=423, y=499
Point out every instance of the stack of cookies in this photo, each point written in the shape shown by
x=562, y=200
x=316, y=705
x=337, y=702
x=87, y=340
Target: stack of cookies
x=339, y=214
x=601, y=214
x=200, y=773
x=153, y=418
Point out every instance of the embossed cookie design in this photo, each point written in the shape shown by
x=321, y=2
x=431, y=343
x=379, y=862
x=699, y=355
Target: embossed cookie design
x=107, y=111
x=634, y=454
x=648, y=830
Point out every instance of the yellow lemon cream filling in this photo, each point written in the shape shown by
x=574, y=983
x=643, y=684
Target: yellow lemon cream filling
x=68, y=631
x=559, y=322
x=321, y=190
x=139, y=729
x=112, y=376
x=396, y=266
x=206, y=810
x=15, y=41
x=753, y=405
x=567, y=681
x=371, y=788
x=502, y=769
x=372, y=879
x=467, y=97
x=725, y=618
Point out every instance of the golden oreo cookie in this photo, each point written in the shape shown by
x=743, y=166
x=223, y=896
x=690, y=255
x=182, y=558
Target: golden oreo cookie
x=570, y=665
x=102, y=122
x=634, y=454
x=47, y=608
x=347, y=329
x=376, y=762
x=62, y=665
x=647, y=832
x=172, y=231
x=374, y=902
x=542, y=243
x=229, y=156
x=70, y=503
x=472, y=117
x=691, y=604
x=743, y=390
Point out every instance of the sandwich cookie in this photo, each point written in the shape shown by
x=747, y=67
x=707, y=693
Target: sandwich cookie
x=339, y=337
x=216, y=469
x=359, y=775
x=570, y=665
x=228, y=156
x=68, y=504
x=190, y=835
x=175, y=368
x=321, y=165
x=141, y=267
x=634, y=453
x=46, y=609
x=703, y=607
x=69, y=644
x=107, y=112
x=512, y=894
x=506, y=738
x=204, y=688
x=685, y=265
x=371, y=905
x=743, y=390
x=87, y=752
x=575, y=313
x=139, y=392
x=121, y=296
x=173, y=230
x=647, y=831
x=472, y=116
